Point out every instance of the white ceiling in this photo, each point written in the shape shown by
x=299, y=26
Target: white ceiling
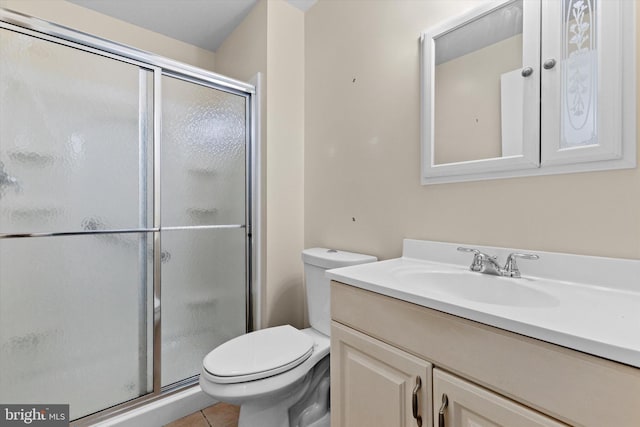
x=203, y=23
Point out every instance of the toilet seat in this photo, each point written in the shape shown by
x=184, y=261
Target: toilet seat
x=272, y=387
x=258, y=355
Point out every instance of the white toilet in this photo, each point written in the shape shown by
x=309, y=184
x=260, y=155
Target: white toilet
x=280, y=376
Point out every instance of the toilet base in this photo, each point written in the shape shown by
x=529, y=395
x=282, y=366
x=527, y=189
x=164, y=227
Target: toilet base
x=306, y=405
x=257, y=415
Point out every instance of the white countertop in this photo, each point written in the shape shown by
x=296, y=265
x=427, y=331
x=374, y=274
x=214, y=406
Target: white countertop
x=599, y=317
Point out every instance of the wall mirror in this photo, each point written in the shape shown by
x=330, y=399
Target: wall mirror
x=492, y=108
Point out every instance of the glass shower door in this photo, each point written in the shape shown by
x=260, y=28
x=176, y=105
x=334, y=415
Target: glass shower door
x=203, y=211
x=75, y=257
x=124, y=252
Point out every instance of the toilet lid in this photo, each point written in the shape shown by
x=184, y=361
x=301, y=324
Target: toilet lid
x=258, y=355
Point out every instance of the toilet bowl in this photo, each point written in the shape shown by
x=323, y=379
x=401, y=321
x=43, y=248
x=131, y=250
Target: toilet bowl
x=280, y=376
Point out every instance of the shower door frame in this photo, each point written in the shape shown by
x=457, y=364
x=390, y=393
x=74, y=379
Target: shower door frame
x=161, y=66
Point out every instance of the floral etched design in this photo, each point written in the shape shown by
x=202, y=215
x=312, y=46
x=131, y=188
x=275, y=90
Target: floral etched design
x=579, y=70
x=578, y=84
x=579, y=29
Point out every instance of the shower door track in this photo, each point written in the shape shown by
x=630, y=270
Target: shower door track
x=159, y=66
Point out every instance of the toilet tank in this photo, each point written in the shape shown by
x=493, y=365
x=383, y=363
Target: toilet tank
x=316, y=262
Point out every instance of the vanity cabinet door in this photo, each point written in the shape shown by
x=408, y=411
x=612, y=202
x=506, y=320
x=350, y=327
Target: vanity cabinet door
x=471, y=406
x=374, y=384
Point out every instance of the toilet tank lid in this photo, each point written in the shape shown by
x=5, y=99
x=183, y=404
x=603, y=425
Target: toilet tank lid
x=331, y=258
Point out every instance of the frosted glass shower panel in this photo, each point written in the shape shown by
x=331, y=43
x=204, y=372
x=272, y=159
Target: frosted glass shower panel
x=74, y=138
x=203, y=296
x=203, y=155
x=74, y=320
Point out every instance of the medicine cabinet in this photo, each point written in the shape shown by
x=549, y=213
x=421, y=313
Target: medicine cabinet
x=529, y=87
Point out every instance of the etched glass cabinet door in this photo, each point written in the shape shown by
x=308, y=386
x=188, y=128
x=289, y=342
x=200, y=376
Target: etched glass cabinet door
x=585, y=70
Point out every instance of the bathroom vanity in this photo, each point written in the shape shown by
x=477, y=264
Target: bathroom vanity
x=400, y=345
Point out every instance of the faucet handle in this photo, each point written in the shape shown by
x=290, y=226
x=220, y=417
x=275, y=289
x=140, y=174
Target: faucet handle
x=476, y=264
x=511, y=267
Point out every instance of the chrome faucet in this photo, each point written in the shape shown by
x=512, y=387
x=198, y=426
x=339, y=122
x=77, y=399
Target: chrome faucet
x=487, y=264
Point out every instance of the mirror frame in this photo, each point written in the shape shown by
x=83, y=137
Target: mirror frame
x=432, y=173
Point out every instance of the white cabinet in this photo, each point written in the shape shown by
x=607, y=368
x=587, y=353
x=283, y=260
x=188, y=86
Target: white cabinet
x=492, y=377
x=467, y=405
x=529, y=87
x=375, y=384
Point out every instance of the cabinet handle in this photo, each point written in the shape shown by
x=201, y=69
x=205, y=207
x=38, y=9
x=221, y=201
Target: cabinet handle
x=445, y=402
x=549, y=64
x=526, y=72
x=414, y=403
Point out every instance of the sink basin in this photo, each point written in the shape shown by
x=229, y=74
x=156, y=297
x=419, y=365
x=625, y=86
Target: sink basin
x=483, y=288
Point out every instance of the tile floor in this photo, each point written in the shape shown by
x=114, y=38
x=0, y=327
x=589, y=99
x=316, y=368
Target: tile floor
x=218, y=415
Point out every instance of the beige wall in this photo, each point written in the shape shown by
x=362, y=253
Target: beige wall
x=362, y=151
x=271, y=41
x=91, y=22
x=244, y=51
x=285, y=164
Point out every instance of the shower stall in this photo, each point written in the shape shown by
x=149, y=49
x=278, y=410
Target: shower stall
x=126, y=219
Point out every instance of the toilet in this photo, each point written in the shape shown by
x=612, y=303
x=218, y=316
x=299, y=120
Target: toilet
x=280, y=376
